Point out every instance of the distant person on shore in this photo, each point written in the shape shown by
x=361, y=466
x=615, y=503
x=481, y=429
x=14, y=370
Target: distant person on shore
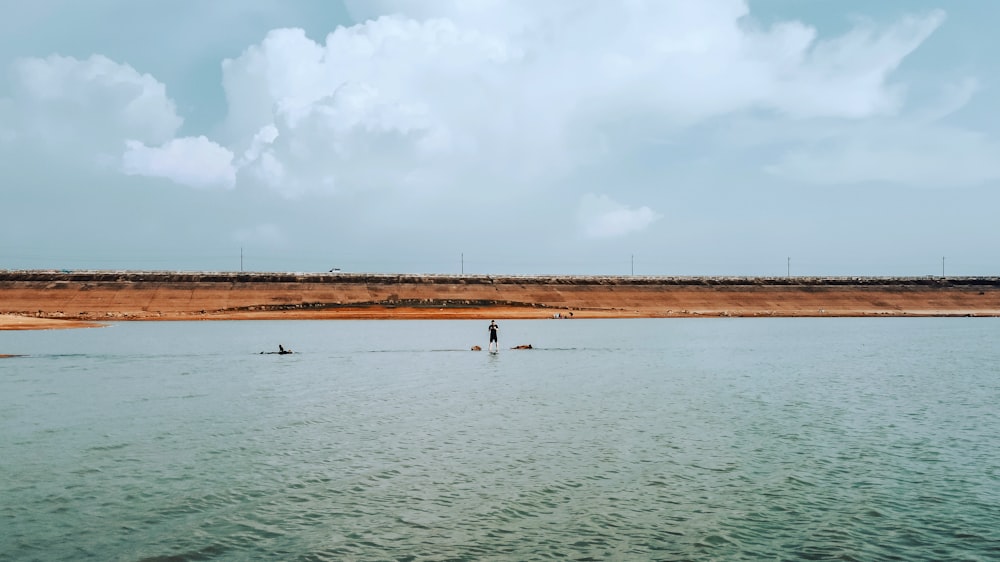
x=282, y=350
x=494, y=344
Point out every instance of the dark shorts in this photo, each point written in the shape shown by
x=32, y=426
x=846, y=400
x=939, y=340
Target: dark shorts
x=493, y=336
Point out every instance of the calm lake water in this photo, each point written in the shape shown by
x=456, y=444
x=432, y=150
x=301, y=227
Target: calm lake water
x=679, y=439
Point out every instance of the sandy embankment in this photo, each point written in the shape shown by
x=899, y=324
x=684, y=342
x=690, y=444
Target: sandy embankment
x=15, y=322
x=48, y=299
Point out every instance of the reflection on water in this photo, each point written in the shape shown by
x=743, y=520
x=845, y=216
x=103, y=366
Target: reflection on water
x=615, y=439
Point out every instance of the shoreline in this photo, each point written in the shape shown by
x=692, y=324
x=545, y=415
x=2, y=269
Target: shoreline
x=16, y=322
x=54, y=300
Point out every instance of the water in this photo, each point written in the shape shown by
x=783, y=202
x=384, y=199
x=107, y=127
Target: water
x=697, y=439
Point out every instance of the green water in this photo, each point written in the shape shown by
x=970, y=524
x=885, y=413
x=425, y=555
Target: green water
x=709, y=439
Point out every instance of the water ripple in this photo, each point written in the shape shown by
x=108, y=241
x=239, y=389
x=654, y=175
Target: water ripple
x=707, y=441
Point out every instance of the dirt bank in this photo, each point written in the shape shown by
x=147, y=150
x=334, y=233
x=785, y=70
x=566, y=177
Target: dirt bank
x=115, y=296
x=13, y=322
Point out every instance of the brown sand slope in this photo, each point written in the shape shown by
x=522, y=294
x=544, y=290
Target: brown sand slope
x=13, y=322
x=171, y=296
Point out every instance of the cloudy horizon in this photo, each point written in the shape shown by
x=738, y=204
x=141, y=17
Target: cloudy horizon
x=721, y=137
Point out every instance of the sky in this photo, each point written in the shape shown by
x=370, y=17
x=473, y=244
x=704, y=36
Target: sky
x=508, y=137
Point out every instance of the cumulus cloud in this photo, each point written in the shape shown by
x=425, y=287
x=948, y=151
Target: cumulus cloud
x=196, y=162
x=600, y=216
x=389, y=103
x=685, y=58
x=453, y=96
x=408, y=96
x=91, y=103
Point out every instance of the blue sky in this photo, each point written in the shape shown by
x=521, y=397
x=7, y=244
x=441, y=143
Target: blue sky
x=718, y=137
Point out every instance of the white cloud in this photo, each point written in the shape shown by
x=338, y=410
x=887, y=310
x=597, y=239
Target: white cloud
x=453, y=96
x=414, y=94
x=263, y=139
x=407, y=131
x=259, y=159
x=92, y=103
x=917, y=148
x=602, y=217
x=847, y=76
x=196, y=162
x=388, y=104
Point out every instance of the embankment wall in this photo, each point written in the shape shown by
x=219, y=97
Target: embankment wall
x=170, y=295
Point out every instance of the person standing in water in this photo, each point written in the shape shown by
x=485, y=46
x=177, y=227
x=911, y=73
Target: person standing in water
x=494, y=344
